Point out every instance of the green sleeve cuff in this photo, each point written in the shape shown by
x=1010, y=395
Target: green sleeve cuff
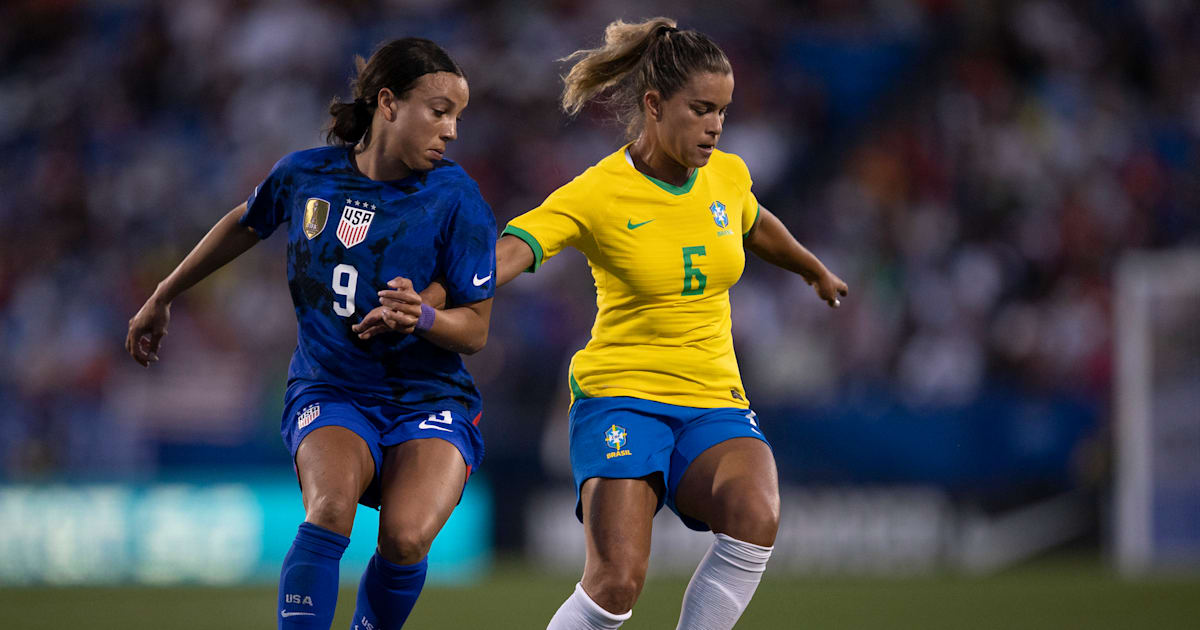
x=530, y=241
x=754, y=223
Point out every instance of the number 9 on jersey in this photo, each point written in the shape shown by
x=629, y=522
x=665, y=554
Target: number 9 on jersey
x=345, y=282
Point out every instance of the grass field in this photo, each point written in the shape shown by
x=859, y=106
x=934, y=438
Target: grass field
x=1047, y=595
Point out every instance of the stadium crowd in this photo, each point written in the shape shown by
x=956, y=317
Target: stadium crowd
x=973, y=170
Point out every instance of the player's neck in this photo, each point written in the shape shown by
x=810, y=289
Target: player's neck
x=374, y=162
x=650, y=159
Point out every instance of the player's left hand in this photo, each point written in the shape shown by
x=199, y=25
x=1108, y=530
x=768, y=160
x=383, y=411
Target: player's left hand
x=399, y=309
x=828, y=287
x=372, y=324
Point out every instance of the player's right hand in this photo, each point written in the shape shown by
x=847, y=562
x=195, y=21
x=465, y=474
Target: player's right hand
x=146, y=330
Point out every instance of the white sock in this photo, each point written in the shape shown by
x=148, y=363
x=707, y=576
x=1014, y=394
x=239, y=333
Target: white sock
x=579, y=612
x=723, y=584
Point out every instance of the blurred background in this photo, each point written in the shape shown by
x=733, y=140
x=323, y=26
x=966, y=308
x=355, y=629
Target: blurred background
x=1011, y=190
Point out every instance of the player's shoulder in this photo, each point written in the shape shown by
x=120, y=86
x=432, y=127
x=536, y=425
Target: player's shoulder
x=320, y=159
x=730, y=166
x=452, y=181
x=457, y=189
x=601, y=175
x=614, y=166
x=448, y=176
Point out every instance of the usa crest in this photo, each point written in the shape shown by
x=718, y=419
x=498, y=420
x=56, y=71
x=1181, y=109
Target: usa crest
x=316, y=213
x=356, y=220
x=307, y=415
x=720, y=217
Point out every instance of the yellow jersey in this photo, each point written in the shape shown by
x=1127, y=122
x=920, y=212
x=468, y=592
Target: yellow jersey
x=663, y=258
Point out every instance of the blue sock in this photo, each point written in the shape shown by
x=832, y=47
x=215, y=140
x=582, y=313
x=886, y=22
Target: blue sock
x=387, y=593
x=308, y=584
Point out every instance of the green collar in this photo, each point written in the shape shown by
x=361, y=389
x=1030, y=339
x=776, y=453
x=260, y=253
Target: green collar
x=671, y=188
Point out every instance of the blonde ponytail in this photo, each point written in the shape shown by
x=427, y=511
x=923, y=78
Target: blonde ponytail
x=648, y=55
x=602, y=68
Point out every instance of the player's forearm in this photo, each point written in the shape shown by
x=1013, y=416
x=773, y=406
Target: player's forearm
x=512, y=257
x=224, y=242
x=435, y=294
x=772, y=242
x=462, y=329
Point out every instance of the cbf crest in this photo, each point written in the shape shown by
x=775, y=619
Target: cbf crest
x=720, y=217
x=614, y=437
x=316, y=213
x=356, y=220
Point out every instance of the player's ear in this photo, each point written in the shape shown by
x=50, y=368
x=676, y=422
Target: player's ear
x=388, y=104
x=652, y=104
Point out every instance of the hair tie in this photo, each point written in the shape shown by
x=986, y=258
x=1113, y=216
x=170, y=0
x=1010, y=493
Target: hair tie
x=361, y=104
x=665, y=30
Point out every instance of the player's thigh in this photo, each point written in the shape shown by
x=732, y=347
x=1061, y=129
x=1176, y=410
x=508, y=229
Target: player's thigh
x=733, y=486
x=335, y=467
x=617, y=519
x=422, y=482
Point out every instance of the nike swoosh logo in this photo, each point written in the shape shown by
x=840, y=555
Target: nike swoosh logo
x=633, y=226
x=477, y=281
x=284, y=613
x=425, y=425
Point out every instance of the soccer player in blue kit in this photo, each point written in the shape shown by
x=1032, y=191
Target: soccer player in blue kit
x=388, y=421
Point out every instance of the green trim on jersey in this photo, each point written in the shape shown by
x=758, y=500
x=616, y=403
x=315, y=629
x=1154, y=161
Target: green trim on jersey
x=754, y=223
x=530, y=241
x=674, y=190
x=576, y=391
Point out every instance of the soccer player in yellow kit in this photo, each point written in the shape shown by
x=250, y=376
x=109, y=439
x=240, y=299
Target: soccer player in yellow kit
x=658, y=412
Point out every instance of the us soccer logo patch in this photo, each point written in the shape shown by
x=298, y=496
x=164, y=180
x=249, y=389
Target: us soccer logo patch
x=720, y=217
x=316, y=213
x=307, y=415
x=356, y=220
x=614, y=437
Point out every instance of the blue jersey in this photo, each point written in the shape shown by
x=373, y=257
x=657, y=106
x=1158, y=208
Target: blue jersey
x=348, y=235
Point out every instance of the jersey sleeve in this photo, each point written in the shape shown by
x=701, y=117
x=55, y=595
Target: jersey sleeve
x=562, y=220
x=468, y=261
x=267, y=207
x=750, y=207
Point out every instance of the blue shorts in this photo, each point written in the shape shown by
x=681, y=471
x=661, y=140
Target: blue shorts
x=625, y=438
x=309, y=406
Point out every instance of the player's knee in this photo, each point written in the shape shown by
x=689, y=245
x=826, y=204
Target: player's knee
x=752, y=517
x=617, y=591
x=403, y=545
x=331, y=510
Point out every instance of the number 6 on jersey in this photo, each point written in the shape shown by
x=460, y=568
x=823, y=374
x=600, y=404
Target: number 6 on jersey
x=691, y=272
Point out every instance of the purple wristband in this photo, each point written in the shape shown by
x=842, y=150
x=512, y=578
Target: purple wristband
x=425, y=322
